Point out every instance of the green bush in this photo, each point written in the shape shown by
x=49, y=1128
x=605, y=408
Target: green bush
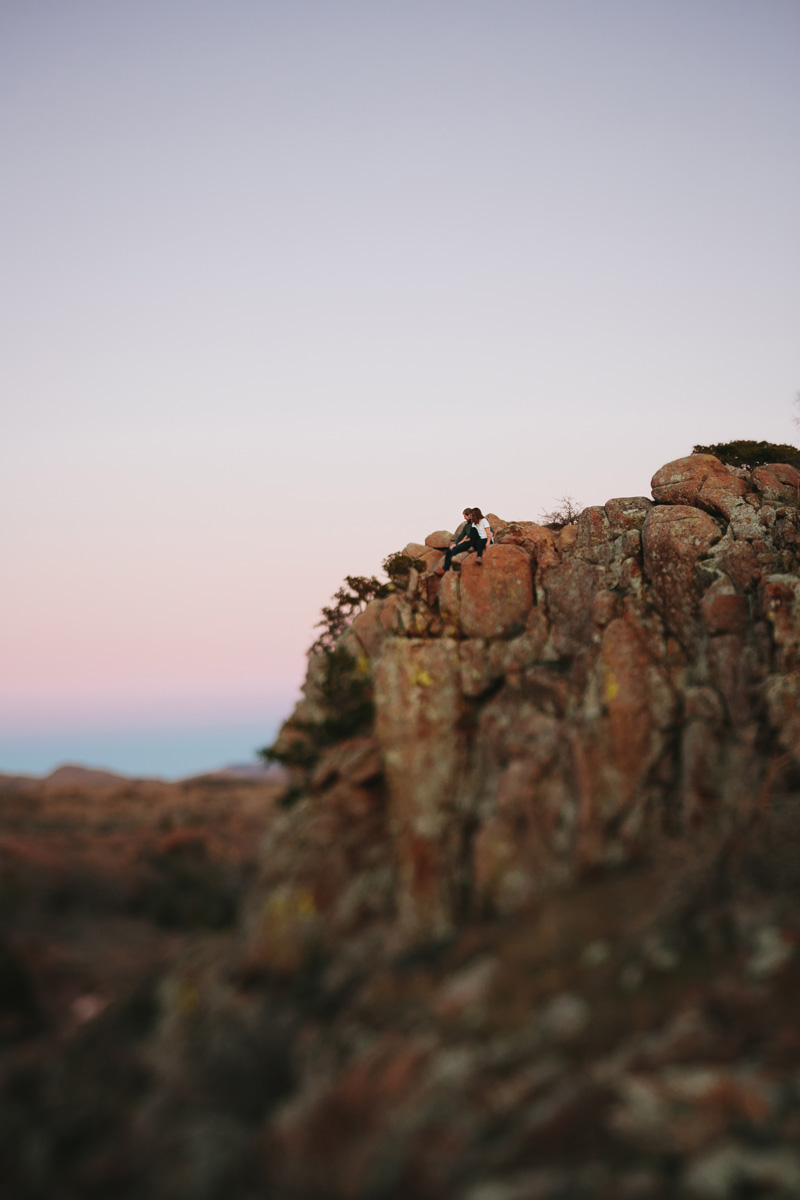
x=346, y=683
x=752, y=454
x=399, y=567
x=354, y=595
x=299, y=752
x=349, y=601
x=346, y=693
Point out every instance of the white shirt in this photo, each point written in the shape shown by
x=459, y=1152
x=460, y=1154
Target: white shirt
x=484, y=528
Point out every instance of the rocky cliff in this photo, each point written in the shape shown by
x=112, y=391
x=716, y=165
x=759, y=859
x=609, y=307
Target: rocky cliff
x=525, y=926
x=571, y=702
x=529, y=932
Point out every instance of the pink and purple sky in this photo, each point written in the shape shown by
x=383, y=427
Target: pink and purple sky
x=286, y=285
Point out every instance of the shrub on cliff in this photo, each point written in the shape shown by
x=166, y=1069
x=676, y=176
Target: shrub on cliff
x=350, y=599
x=345, y=691
x=344, y=682
x=751, y=454
x=399, y=567
x=355, y=593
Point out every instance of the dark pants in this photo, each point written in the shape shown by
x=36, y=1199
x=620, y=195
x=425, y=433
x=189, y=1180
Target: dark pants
x=473, y=542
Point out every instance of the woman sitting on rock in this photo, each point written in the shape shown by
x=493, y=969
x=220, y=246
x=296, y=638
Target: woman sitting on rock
x=484, y=531
x=476, y=536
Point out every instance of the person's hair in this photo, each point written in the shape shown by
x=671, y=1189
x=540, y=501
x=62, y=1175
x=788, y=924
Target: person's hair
x=477, y=515
x=466, y=512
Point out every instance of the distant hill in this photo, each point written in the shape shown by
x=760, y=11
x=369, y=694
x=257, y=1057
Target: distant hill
x=13, y=782
x=74, y=775
x=68, y=775
x=249, y=770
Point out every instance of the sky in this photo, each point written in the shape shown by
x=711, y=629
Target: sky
x=288, y=283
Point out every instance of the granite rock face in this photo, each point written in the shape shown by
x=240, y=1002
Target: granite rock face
x=497, y=593
x=702, y=481
x=419, y=706
x=582, y=694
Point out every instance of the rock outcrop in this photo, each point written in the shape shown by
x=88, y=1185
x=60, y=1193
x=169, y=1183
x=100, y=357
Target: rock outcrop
x=526, y=922
x=582, y=694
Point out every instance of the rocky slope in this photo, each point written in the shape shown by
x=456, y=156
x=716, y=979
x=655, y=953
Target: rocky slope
x=528, y=931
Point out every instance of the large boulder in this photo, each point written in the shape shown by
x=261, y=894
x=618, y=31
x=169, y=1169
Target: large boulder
x=497, y=594
x=778, y=483
x=700, y=480
x=536, y=540
x=675, y=539
x=594, y=536
x=627, y=512
x=570, y=593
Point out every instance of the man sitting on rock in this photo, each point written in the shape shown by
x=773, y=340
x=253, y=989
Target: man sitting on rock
x=474, y=534
x=459, y=533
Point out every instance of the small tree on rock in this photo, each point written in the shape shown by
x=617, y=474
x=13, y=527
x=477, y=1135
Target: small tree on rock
x=566, y=512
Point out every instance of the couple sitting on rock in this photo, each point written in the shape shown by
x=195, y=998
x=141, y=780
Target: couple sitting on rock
x=475, y=533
